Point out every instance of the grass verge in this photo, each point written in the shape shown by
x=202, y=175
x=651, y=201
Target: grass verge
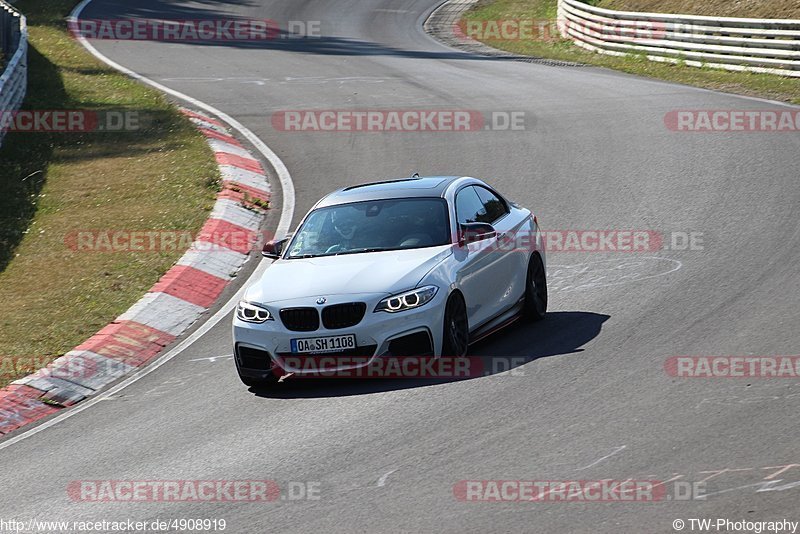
x=762, y=85
x=160, y=177
x=759, y=9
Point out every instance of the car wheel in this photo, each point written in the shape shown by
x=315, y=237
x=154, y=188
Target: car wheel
x=456, y=328
x=536, y=290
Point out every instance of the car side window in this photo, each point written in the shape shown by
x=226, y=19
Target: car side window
x=469, y=207
x=493, y=207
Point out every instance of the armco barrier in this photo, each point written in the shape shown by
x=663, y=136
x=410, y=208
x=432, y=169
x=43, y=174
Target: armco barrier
x=14, y=68
x=759, y=45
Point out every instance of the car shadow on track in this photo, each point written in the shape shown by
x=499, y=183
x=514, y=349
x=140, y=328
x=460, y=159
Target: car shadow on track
x=559, y=334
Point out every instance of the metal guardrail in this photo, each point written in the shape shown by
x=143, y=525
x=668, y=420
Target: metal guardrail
x=14, y=77
x=758, y=45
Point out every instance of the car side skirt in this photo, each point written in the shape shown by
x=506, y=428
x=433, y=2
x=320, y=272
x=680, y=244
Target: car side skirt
x=504, y=319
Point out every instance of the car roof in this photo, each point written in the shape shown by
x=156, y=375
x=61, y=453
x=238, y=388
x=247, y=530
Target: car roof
x=424, y=186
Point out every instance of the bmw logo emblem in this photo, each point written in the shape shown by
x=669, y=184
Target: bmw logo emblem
x=322, y=300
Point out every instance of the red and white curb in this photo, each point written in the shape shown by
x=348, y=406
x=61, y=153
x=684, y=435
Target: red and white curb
x=171, y=306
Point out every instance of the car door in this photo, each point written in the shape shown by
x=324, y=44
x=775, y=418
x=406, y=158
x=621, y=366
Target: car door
x=510, y=268
x=480, y=262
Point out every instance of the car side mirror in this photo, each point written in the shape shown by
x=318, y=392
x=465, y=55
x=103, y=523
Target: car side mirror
x=476, y=231
x=273, y=249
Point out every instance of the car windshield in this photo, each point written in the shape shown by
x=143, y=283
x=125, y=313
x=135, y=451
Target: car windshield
x=372, y=226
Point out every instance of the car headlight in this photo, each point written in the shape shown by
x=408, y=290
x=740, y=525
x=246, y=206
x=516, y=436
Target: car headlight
x=408, y=300
x=250, y=313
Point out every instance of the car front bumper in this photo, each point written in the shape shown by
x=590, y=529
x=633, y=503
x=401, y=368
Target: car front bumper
x=260, y=348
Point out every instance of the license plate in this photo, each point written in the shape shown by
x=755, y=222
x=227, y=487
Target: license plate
x=323, y=344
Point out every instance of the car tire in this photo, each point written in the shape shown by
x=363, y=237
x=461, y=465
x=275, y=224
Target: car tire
x=455, y=338
x=536, y=289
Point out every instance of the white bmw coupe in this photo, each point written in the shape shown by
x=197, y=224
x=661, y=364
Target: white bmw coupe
x=410, y=267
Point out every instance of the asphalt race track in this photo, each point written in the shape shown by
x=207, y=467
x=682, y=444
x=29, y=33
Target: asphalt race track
x=589, y=398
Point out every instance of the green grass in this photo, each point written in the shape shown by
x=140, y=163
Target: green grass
x=161, y=177
x=760, y=9
x=762, y=85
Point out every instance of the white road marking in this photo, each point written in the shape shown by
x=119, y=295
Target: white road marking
x=382, y=480
x=607, y=456
x=287, y=212
x=212, y=359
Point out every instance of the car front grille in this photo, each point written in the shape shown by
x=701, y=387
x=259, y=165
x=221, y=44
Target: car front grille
x=300, y=319
x=343, y=315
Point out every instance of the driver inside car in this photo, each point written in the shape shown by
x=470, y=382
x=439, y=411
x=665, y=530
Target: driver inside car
x=346, y=232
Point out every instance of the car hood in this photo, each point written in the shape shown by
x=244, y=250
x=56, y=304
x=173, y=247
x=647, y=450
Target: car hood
x=386, y=272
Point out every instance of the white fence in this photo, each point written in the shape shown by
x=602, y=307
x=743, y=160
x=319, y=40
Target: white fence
x=14, y=68
x=759, y=45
